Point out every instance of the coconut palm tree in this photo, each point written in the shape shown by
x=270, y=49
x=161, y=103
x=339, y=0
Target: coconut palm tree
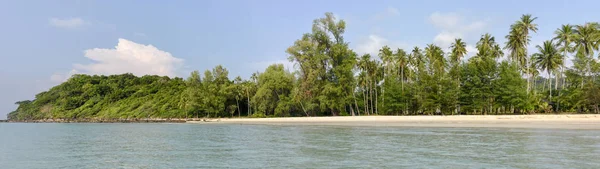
x=459, y=50
x=386, y=56
x=526, y=22
x=401, y=62
x=487, y=47
x=549, y=59
x=518, y=40
x=565, y=36
x=516, y=45
x=435, y=55
x=586, y=41
x=364, y=64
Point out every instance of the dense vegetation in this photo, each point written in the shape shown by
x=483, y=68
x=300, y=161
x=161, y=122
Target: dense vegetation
x=331, y=79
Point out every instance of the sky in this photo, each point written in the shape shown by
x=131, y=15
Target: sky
x=43, y=42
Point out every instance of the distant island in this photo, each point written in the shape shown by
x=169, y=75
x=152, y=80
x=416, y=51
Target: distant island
x=330, y=79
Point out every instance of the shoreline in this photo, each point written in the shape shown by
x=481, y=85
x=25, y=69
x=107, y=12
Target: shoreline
x=583, y=121
x=562, y=121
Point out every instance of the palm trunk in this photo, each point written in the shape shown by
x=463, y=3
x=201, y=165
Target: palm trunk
x=303, y=109
x=248, y=95
x=355, y=103
x=544, y=86
x=376, y=98
x=371, y=96
x=383, y=89
x=365, y=100
x=550, y=86
x=402, y=78
x=238, y=107
x=556, y=81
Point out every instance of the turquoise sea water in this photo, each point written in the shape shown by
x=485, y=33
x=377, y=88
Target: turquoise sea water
x=267, y=146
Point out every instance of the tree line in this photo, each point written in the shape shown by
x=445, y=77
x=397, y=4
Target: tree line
x=330, y=79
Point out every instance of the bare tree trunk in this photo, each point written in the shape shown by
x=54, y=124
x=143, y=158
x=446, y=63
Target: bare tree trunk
x=550, y=86
x=371, y=96
x=544, y=86
x=238, y=107
x=402, y=79
x=249, y=109
x=383, y=90
x=527, y=65
x=303, y=109
x=376, y=98
x=556, y=81
x=365, y=100
x=355, y=103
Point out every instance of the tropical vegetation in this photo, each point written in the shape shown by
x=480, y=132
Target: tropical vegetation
x=330, y=79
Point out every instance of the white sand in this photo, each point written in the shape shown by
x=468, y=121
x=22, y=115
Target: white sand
x=501, y=121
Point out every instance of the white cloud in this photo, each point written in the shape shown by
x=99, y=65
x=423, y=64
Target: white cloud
x=128, y=57
x=373, y=43
x=67, y=23
x=452, y=26
x=471, y=50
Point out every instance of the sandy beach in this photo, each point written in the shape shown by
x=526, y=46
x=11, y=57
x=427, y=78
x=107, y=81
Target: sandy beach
x=590, y=121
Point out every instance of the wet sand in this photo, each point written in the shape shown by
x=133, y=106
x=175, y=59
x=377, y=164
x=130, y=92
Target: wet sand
x=590, y=121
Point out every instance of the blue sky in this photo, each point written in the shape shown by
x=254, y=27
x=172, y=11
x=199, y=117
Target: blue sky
x=43, y=42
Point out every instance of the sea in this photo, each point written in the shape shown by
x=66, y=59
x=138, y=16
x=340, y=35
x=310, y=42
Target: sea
x=145, y=145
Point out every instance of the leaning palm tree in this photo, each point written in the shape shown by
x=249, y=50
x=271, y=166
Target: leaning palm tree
x=565, y=36
x=549, y=59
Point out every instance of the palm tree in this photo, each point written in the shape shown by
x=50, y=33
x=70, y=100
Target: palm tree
x=586, y=41
x=435, y=55
x=459, y=50
x=437, y=65
x=386, y=55
x=364, y=64
x=526, y=22
x=417, y=58
x=518, y=39
x=401, y=61
x=516, y=45
x=487, y=47
x=549, y=59
x=418, y=65
x=564, y=36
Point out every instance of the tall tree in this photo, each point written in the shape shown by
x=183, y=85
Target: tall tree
x=518, y=40
x=586, y=42
x=549, y=59
x=564, y=36
x=386, y=55
x=458, y=51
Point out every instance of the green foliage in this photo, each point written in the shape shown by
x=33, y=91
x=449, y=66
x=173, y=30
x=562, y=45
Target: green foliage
x=330, y=79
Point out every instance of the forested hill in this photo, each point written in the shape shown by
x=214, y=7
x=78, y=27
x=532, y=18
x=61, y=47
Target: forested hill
x=331, y=79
